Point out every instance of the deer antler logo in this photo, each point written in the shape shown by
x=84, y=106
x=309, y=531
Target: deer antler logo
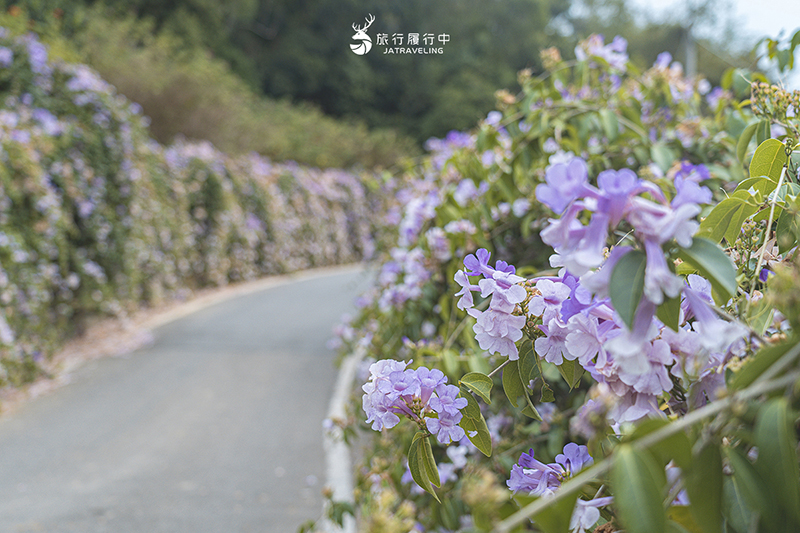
x=364, y=43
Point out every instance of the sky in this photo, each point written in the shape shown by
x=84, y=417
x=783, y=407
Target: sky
x=755, y=19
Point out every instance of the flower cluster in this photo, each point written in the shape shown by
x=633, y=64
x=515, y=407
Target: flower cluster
x=497, y=329
x=534, y=478
x=421, y=395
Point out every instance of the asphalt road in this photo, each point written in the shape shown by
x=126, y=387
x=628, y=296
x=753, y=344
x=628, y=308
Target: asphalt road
x=216, y=427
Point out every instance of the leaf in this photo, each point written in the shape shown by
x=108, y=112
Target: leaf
x=758, y=363
x=777, y=455
x=744, y=141
x=416, y=464
x=474, y=424
x=430, y=463
x=676, y=447
x=516, y=391
x=734, y=507
x=555, y=517
x=571, y=371
x=704, y=487
x=479, y=383
x=750, y=487
x=761, y=184
x=788, y=230
x=662, y=156
x=669, y=312
x=638, y=483
x=626, y=285
x=713, y=265
x=512, y=385
x=763, y=131
x=610, y=124
x=527, y=364
x=761, y=316
x=726, y=219
x=769, y=159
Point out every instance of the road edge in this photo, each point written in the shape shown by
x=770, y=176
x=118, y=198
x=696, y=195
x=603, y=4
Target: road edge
x=338, y=462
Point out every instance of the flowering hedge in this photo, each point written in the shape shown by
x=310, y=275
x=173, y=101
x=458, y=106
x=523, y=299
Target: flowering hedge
x=640, y=316
x=97, y=218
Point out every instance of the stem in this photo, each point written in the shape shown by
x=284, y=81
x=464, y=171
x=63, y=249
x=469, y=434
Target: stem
x=767, y=232
x=493, y=372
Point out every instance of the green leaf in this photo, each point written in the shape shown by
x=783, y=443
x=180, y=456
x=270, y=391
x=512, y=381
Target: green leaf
x=669, y=312
x=626, y=285
x=761, y=184
x=704, y=487
x=726, y=219
x=734, y=507
x=758, y=363
x=761, y=316
x=680, y=515
x=474, y=424
x=744, y=141
x=555, y=518
x=479, y=383
x=750, y=488
x=610, y=124
x=713, y=264
x=527, y=364
x=777, y=455
x=662, y=156
x=516, y=391
x=676, y=447
x=763, y=131
x=512, y=385
x=547, y=395
x=430, y=463
x=638, y=484
x=788, y=230
x=416, y=464
x=571, y=371
x=769, y=159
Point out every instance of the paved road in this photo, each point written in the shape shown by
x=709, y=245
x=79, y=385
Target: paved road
x=214, y=428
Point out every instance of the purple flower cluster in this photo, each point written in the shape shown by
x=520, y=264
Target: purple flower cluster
x=422, y=395
x=497, y=329
x=614, y=53
x=538, y=479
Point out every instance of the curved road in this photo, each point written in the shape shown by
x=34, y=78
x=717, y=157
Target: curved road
x=216, y=427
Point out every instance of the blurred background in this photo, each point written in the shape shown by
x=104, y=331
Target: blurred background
x=277, y=76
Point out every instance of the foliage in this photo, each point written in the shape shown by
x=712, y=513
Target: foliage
x=97, y=218
x=649, y=374
x=186, y=92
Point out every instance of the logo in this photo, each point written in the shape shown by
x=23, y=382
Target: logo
x=364, y=43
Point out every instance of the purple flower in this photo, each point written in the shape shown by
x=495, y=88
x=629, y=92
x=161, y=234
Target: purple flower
x=563, y=183
x=574, y=459
x=446, y=400
x=663, y=60
x=534, y=477
x=446, y=427
x=553, y=346
x=6, y=56
x=616, y=187
x=586, y=514
x=466, y=290
x=547, y=304
x=658, y=278
x=497, y=331
x=479, y=266
x=583, y=340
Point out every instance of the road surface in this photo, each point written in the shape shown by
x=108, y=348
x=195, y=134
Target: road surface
x=216, y=427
